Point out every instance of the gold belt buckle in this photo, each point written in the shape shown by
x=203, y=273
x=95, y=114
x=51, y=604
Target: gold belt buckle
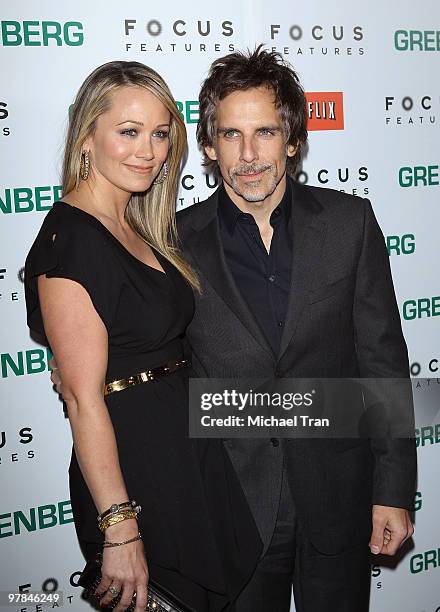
x=146, y=376
x=143, y=377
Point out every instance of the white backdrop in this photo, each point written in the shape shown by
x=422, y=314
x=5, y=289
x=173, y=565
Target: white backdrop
x=381, y=59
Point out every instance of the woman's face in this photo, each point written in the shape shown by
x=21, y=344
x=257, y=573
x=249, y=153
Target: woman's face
x=131, y=140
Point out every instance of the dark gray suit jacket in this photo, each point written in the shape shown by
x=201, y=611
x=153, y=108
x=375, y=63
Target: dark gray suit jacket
x=342, y=321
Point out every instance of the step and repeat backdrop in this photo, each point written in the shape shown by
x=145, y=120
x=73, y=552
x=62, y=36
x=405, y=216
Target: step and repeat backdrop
x=370, y=71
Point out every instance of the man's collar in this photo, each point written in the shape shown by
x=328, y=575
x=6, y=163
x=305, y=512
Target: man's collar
x=229, y=212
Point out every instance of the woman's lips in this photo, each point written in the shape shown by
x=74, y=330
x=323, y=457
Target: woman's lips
x=139, y=169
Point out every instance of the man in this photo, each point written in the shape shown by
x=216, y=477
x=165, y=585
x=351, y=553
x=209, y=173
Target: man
x=295, y=283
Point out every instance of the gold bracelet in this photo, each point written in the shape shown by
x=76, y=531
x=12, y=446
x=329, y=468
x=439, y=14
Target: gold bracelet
x=114, y=508
x=118, y=512
x=116, y=518
x=108, y=544
x=113, y=519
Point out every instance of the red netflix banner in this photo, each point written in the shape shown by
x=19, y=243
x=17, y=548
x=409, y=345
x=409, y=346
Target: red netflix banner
x=325, y=110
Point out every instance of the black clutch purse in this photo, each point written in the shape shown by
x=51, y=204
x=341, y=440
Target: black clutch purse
x=159, y=598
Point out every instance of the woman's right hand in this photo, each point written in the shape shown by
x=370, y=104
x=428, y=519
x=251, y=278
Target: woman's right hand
x=55, y=375
x=124, y=568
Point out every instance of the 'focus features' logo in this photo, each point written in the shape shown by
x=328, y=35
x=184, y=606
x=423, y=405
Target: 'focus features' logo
x=41, y=33
x=345, y=178
x=179, y=35
x=325, y=110
x=13, y=445
x=433, y=366
x=10, y=292
x=319, y=40
x=4, y=114
x=410, y=110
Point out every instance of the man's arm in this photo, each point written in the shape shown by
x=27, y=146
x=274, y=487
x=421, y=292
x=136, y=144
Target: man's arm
x=382, y=353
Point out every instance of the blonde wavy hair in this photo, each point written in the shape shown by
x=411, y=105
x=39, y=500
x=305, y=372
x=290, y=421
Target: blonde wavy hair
x=152, y=214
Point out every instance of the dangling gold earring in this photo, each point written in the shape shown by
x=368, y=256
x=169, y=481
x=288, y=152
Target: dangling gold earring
x=160, y=179
x=84, y=165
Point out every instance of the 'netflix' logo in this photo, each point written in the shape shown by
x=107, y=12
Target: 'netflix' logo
x=325, y=110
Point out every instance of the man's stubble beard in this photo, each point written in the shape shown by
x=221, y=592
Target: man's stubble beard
x=254, y=191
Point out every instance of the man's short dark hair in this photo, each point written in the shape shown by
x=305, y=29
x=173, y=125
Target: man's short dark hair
x=240, y=71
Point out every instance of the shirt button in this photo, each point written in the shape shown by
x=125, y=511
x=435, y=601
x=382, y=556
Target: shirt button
x=272, y=278
x=280, y=324
x=278, y=373
x=275, y=441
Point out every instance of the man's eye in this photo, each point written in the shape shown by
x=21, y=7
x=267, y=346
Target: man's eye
x=230, y=133
x=129, y=132
x=266, y=132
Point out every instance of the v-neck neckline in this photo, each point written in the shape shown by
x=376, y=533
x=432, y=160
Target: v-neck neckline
x=118, y=242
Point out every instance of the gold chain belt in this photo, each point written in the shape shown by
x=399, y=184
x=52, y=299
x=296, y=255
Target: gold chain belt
x=144, y=377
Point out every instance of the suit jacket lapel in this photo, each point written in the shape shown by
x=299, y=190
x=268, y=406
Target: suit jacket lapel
x=207, y=251
x=308, y=237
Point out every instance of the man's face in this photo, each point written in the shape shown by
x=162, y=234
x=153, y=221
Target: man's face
x=250, y=145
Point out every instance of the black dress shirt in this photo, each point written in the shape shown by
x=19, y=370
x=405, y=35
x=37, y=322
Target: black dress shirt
x=262, y=278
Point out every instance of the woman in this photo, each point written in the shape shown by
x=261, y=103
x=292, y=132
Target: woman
x=109, y=291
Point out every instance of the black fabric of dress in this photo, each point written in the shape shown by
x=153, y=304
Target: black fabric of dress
x=196, y=526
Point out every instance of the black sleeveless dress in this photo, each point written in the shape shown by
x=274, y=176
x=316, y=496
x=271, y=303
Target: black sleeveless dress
x=199, y=536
